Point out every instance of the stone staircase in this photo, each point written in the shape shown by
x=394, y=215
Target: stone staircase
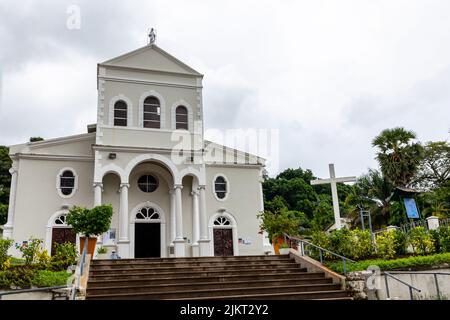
x=205, y=278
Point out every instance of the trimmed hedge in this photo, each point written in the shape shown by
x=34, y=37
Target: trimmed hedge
x=395, y=264
x=26, y=277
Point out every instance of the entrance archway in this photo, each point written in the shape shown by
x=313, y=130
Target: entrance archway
x=59, y=232
x=223, y=232
x=148, y=231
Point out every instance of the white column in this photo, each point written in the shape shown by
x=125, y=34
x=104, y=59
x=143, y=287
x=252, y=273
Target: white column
x=98, y=188
x=8, y=227
x=123, y=242
x=179, y=242
x=203, y=241
x=173, y=217
x=195, y=223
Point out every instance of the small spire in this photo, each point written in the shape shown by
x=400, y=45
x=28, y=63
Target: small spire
x=152, y=36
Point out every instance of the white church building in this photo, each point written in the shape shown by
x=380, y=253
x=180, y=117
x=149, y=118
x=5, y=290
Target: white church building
x=173, y=193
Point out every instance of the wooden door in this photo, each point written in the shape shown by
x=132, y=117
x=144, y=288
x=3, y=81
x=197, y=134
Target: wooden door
x=62, y=235
x=223, y=242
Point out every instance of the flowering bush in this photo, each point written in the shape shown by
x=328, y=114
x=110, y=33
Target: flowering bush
x=31, y=250
x=386, y=244
x=421, y=240
x=5, y=244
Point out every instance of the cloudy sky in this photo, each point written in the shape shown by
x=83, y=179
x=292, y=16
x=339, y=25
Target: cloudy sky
x=330, y=75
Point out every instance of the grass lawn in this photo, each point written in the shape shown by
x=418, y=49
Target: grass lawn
x=412, y=262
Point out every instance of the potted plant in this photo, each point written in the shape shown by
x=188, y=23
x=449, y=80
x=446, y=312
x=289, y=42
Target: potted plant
x=90, y=223
x=102, y=253
x=278, y=224
x=284, y=248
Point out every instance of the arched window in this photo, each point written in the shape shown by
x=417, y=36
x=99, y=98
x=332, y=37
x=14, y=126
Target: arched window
x=147, y=213
x=220, y=187
x=152, y=113
x=120, y=113
x=148, y=183
x=181, y=118
x=67, y=182
x=222, y=221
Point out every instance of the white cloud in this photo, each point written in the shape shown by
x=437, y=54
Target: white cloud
x=329, y=74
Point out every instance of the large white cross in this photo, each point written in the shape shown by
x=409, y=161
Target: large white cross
x=333, y=180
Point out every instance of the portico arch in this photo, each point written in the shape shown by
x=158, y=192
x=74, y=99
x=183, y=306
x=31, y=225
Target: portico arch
x=152, y=158
x=149, y=218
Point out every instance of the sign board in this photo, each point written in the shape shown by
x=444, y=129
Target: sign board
x=411, y=208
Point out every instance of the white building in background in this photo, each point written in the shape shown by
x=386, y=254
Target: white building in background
x=173, y=193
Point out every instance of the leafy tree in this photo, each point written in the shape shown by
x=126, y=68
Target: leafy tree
x=371, y=191
x=398, y=155
x=434, y=169
x=5, y=176
x=3, y=213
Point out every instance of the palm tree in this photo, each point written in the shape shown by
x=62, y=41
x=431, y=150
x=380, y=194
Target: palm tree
x=371, y=191
x=399, y=157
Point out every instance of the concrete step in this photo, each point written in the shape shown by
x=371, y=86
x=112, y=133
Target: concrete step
x=311, y=295
x=174, y=269
x=98, y=282
x=216, y=292
x=197, y=263
x=193, y=286
x=192, y=259
x=208, y=273
x=196, y=276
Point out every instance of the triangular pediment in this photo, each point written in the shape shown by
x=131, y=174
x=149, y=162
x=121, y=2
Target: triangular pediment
x=151, y=57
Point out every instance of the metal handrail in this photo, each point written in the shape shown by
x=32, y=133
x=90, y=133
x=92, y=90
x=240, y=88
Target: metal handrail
x=321, y=250
x=78, y=275
x=411, y=287
x=4, y=293
x=434, y=274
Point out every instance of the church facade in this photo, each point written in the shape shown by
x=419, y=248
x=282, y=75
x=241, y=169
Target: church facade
x=173, y=193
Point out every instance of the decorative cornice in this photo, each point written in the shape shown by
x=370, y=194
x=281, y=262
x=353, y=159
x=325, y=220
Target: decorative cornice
x=55, y=157
x=234, y=165
x=153, y=83
x=139, y=149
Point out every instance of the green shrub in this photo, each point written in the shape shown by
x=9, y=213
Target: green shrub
x=65, y=255
x=442, y=239
x=353, y=244
x=386, y=244
x=5, y=244
x=33, y=252
x=361, y=244
x=21, y=276
x=421, y=240
x=401, y=242
x=408, y=263
x=90, y=222
x=46, y=278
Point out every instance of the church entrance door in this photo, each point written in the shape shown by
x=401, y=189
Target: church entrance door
x=223, y=242
x=147, y=240
x=62, y=235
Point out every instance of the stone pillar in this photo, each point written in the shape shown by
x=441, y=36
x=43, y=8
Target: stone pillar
x=179, y=242
x=124, y=242
x=195, y=223
x=203, y=241
x=9, y=226
x=433, y=222
x=98, y=189
x=173, y=217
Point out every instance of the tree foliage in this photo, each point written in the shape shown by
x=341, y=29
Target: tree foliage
x=398, y=155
